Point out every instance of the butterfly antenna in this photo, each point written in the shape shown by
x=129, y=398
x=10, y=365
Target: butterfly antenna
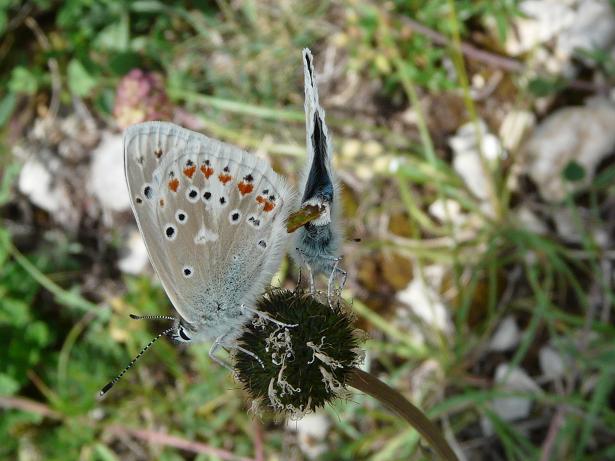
x=111, y=383
x=151, y=317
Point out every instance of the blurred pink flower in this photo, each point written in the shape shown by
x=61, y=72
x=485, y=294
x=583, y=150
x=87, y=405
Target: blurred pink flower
x=141, y=96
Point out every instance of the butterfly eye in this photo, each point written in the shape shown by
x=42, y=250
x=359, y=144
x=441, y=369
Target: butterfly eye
x=183, y=334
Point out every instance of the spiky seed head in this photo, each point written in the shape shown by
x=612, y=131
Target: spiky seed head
x=303, y=367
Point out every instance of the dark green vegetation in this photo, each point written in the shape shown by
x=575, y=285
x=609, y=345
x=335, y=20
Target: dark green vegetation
x=235, y=73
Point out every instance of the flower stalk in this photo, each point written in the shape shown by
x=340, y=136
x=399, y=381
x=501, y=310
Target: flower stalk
x=396, y=402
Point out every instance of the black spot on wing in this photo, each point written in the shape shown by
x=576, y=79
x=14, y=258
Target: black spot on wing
x=318, y=183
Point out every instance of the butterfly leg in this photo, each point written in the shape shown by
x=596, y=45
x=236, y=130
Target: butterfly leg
x=219, y=342
x=331, y=281
x=298, y=280
x=262, y=315
x=247, y=352
x=309, y=268
x=334, y=271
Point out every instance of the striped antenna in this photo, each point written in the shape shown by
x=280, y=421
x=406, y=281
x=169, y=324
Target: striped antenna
x=151, y=317
x=111, y=383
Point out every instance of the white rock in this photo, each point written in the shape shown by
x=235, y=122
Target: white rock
x=36, y=182
x=467, y=156
x=593, y=28
x=551, y=362
x=506, y=336
x=427, y=376
x=551, y=31
x=542, y=20
x=574, y=225
x=528, y=220
x=107, y=174
x=514, y=127
x=311, y=432
x=426, y=303
x=47, y=191
x=135, y=259
x=584, y=134
x=408, y=324
x=447, y=211
x=511, y=408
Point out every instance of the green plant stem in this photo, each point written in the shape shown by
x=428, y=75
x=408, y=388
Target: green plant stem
x=396, y=402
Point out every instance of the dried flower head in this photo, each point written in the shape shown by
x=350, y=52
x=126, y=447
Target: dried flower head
x=305, y=366
x=141, y=96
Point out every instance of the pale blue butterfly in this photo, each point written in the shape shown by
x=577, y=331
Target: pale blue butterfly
x=318, y=243
x=213, y=220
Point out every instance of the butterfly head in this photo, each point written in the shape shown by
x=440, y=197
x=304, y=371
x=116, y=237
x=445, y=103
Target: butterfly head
x=183, y=332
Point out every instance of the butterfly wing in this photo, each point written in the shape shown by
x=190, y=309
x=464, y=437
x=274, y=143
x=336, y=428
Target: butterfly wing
x=318, y=179
x=318, y=241
x=212, y=218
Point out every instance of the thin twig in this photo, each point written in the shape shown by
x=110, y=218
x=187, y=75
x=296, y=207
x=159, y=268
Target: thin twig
x=257, y=440
x=161, y=438
x=470, y=51
x=396, y=402
x=54, y=68
x=487, y=57
x=19, y=17
x=31, y=406
x=554, y=427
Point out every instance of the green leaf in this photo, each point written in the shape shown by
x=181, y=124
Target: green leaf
x=123, y=62
x=5, y=240
x=8, y=178
x=15, y=313
x=573, y=172
x=23, y=81
x=115, y=36
x=8, y=385
x=80, y=81
x=38, y=333
x=7, y=105
x=104, y=453
x=546, y=86
x=3, y=21
x=147, y=6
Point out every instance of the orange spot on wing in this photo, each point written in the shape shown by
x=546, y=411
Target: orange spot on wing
x=245, y=188
x=224, y=178
x=174, y=184
x=267, y=205
x=207, y=171
x=189, y=171
x=161, y=202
